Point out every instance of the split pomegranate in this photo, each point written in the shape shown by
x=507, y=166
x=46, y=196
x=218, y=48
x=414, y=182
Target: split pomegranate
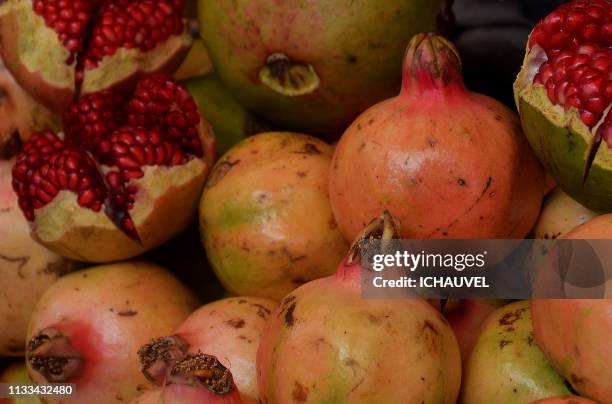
x=564, y=95
x=57, y=49
x=447, y=162
x=126, y=176
x=229, y=329
x=88, y=326
x=27, y=269
x=194, y=379
x=325, y=343
x=506, y=365
x=265, y=217
x=574, y=334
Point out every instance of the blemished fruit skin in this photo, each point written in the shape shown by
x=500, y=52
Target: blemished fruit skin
x=102, y=316
x=447, y=162
x=231, y=121
x=312, y=66
x=265, y=217
x=325, y=343
x=27, y=269
x=506, y=365
x=574, y=336
x=565, y=400
x=17, y=374
x=563, y=96
x=229, y=329
x=560, y=214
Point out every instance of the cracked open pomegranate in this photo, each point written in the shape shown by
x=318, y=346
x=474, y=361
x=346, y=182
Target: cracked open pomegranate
x=125, y=177
x=564, y=95
x=58, y=48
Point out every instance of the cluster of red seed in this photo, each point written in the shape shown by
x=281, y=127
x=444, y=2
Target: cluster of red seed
x=107, y=129
x=577, y=39
x=113, y=24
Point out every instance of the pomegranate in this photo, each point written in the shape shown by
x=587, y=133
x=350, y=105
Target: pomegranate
x=17, y=374
x=257, y=236
x=325, y=343
x=21, y=114
x=27, y=269
x=560, y=214
x=57, y=49
x=88, y=326
x=194, y=379
x=506, y=365
x=598, y=228
x=126, y=176
x=312, y=66
x=564, y=95
x=231, y=121
x=574, y=334
x=229, y=329
x=565, y=400
x=446, y=161
x=466, y=318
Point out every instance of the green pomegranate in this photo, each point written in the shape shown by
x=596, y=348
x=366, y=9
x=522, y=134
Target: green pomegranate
x=564, y=96
x=313, y=66
x=506, y=365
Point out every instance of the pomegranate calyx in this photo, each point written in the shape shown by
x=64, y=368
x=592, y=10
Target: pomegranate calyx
x=159, y=356
x=51, y=354
x=431, y=62
x=384, y=227
x=203, y=370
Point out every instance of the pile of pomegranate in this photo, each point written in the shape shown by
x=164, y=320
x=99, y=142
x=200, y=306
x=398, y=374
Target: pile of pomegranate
x=166, y=236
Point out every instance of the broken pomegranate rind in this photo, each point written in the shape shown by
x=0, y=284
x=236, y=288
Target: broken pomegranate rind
x=564, y=144
x=129, y=65
x=35, y=56
x=166, y=202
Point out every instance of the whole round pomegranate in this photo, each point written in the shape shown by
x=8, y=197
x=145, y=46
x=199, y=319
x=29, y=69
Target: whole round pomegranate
x=126, y=177
x=194, y=379
x=312, y=66
x=229, y=329
x=467, y=317
x=574, y=334
x=325, y=343
x=27, y=269
x=88, y=326
x=58, y=49
x=447, y=162
x=565, y=400
x=598, y=228
x=265, y=216
x=17, y=374
x=21, y=114
x=560, y=214
x=506, y=365
x=564, y=94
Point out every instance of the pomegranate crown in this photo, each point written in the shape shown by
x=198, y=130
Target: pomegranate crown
x=384, y=227
x=431, y=62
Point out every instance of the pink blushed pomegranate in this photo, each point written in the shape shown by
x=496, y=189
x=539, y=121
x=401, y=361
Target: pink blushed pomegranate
x=27, y=269
x=57, y=49
x=88, y=326
x=326, y=343
x=229, y=329
x=564, y=96
x=449, y=163
x=125, y=177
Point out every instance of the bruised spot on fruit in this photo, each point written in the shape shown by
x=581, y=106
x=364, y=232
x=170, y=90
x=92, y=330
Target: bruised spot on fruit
x=530, y=339
x=461, y=182
x=127, y=313
x=509, y=318
x=220, y=171
x=287, y=77
x=503, y=343
x=310, y=149
x=429, y=326
x=352, y=59
x=300, y=393
x=235, y=323
x=262, y=311
x=302, y=174
x=289, y=318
